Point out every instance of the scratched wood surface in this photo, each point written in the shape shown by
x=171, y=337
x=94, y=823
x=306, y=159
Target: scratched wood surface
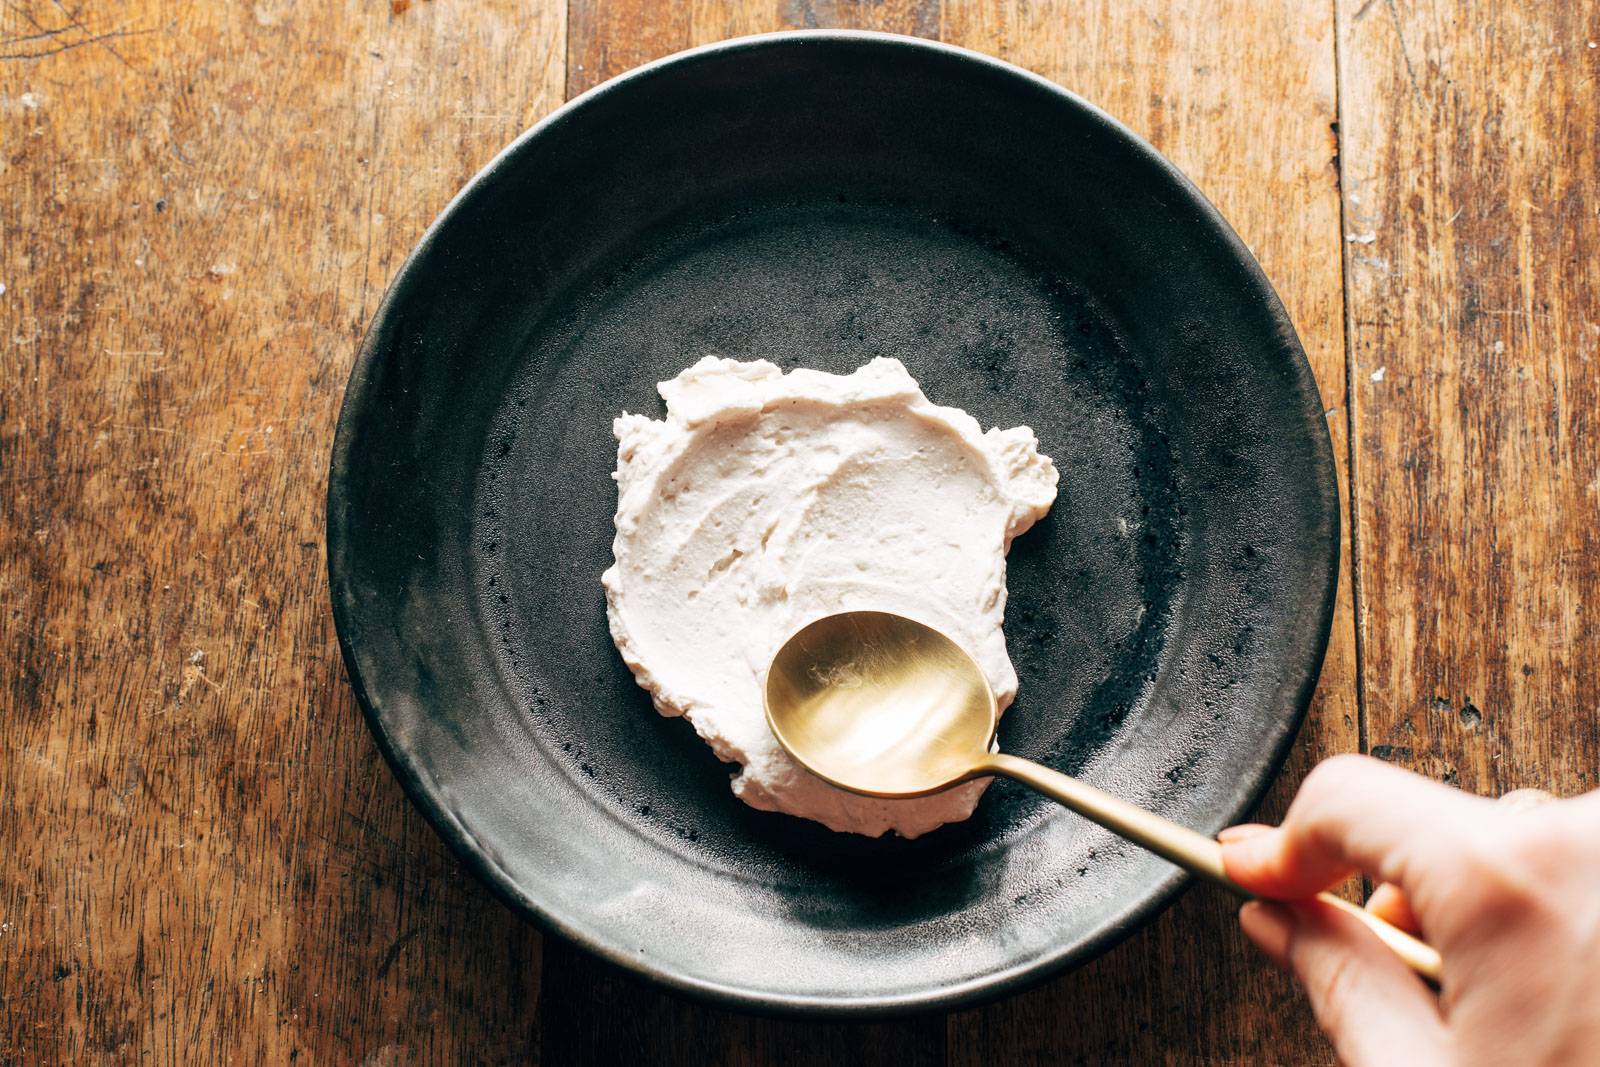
x=1472, y=185
x=206, y=861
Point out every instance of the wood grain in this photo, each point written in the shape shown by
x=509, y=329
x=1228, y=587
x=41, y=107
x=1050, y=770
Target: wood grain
x=1472, y=175
x=199, y=208
x=200, y=205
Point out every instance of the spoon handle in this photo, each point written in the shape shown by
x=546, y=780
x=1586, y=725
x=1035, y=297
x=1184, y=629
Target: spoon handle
x=1189, y=849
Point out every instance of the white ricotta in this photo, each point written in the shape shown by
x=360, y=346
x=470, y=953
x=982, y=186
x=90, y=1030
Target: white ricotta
x=765, y=500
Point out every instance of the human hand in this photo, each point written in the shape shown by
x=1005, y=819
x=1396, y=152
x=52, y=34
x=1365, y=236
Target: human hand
x=1509, y=894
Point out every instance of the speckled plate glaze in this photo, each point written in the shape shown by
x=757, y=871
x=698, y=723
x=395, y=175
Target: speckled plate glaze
x=820, y=199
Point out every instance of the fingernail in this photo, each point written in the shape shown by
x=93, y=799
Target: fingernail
x=1270, y=926
x=1523, y=799
x=1247, y=849
x=1384, y=897
x=1241, y=832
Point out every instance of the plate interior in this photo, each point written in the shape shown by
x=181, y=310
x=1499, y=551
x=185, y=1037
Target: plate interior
x=818, y=201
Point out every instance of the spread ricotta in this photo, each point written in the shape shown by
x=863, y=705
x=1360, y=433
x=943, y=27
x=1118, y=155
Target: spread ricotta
x=766, y=500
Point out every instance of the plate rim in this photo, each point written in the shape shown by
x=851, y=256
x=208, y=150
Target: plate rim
x=430, y=801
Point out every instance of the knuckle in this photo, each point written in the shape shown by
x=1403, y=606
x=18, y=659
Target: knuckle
x=1508, y=874
x=1484, y=853
x=1534, y=852
x=1330, y=779
x=1526, y=799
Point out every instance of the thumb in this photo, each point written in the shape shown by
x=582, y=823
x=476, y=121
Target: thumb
x=1369, y=1004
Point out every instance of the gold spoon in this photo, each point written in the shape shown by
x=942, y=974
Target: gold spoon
x=879, y=704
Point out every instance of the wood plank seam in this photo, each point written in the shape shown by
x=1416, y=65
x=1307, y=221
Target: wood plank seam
x=1353, y=457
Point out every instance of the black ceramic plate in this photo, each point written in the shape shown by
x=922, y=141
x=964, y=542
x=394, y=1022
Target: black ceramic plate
x=819, y=199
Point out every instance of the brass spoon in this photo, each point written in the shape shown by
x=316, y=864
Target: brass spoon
x=879, y=704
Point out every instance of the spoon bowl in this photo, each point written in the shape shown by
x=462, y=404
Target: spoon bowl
x=880, y=704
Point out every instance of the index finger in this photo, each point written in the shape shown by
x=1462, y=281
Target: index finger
x=1354, y=813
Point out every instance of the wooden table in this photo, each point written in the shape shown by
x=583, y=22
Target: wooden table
x=200, y=205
